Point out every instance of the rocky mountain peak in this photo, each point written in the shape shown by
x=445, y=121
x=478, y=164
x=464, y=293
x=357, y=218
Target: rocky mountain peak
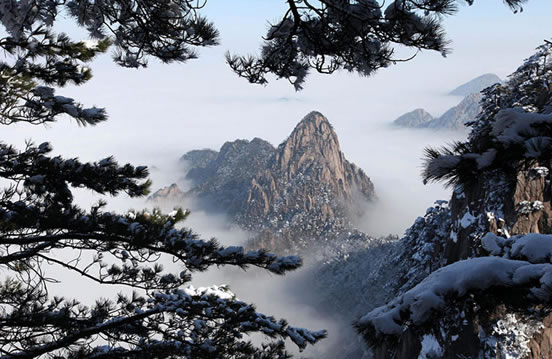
x=312, y=142
x=314, y=136
x=304, y=188
x=308, y=185
x=167, y=194
x=313, y=125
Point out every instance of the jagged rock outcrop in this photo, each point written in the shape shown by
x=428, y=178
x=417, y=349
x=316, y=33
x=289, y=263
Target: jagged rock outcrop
x=478, y=271
x=419, y=118
x=476, y=85
x=169, y=194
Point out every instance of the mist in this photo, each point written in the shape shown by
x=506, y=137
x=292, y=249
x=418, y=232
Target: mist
x=390, y=156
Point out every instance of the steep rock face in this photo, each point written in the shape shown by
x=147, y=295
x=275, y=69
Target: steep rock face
x=308, y=184
x=512, y=204
x=476, y=85
x=498, y=321
x=419, y=118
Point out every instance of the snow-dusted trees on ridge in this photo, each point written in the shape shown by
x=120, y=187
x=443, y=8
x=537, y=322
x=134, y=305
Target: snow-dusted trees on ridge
x=485, y=287
x=43, y=232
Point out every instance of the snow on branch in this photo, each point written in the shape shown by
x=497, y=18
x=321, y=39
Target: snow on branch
x=202, y=322
x=532, y=247
x=356, y=36
x=513, y=130
x=51, y=176
x=456, y=280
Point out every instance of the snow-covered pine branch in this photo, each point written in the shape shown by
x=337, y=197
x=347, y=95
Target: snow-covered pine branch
x=513, y=130
x=191, y=323
x=41, y=227
x=355, y=36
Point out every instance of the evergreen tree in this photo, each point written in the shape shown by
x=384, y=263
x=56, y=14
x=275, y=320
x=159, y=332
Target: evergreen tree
x=354, y=35
x=41, y=227
x=325, y=35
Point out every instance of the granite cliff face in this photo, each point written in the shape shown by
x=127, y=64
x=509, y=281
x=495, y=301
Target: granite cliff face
x=302, y=190
x=307, y=184
x=445, y=308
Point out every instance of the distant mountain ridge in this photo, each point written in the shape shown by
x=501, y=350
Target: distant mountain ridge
x=456, y=117
x=476, y=85
x=418, y=118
